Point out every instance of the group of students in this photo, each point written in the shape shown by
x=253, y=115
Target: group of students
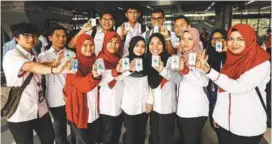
x=96, y=104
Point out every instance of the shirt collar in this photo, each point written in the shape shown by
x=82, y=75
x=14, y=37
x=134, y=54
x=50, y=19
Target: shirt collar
x=53, y=50
x=25, y=52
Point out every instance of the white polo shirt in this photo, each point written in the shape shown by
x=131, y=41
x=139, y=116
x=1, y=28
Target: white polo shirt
x=136, y=31
x=54, y=82
x=192, y=100
x=98, y=39
x=110, y=98
x=165, y=98
x=92, y=101
x=29, y=107
x=137, y=94
x=239, y=109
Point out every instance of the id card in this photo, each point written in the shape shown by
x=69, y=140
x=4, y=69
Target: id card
x=100, y=66
x=138, y=64
x=68, y=55
x=174, y=62
x=156, y=29
x=218, y=46
x=192, y=59
x=74, y=65
x=125, y=64
x=93, y=22
x=127, y=28
x=155, y=61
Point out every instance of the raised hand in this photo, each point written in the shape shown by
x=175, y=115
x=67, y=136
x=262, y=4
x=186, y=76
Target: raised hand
x=202, y=61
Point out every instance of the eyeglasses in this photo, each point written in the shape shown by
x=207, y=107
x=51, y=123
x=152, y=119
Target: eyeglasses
x=29, y=35
x=105, y=19
x=157, y=19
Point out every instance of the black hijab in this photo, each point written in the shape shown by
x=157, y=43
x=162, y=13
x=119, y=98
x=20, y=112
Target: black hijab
x=154, y=78
x=216, y=58
x=132, y=56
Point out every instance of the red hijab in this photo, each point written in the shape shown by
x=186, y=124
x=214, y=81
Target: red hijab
x=85, y=62
x=253, y=54
x=110, y=60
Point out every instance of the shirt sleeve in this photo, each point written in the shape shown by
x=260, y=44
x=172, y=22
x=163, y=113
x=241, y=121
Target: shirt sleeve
x=12, y=65
x=171, y=75
x=247, y=81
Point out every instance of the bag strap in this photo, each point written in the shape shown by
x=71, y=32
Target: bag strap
x=27, y=81
x=261, y=99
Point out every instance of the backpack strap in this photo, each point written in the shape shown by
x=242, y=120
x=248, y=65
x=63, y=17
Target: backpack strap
x=94, y=31
x=261, y=99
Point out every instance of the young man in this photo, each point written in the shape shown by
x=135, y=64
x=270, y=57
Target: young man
x=106, y=22
x=131, y=28
x=32, y=112
x=55, y=84
x=157, y=19
x=181, y=22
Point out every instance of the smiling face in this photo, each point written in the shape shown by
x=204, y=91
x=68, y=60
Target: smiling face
x=236, y=43
x=186, y=42
x=139, y=48
x=157, y=19
x=113, y=45
x=179, y=26
x=107, y=22
x=155, y=46
x=58, y=39
x=87, y=48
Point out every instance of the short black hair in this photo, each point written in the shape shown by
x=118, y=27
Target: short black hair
x=22, y=28
x=182, y=17
x=54, y=27
x=158, y=10
x=106, y=12
x=133, y=6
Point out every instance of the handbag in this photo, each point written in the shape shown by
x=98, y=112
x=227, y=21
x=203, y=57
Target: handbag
x=10, y=104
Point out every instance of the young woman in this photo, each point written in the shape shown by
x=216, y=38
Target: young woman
x=137, y=100
x=111, y=89
x=238, y=114
x=193, y=104
x=163, y=83
x=81, y=93
x=216, y=61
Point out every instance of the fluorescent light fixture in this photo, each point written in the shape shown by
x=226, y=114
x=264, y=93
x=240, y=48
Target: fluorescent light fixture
x=148, y=7
x=84, y=12
x=210, y=6
x=265, y=7
x=120, y=8
x=247, y=3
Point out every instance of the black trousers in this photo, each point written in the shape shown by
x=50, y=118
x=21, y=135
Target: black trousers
x=59, y=124
x=111, y=128
x=90, y=135
x=162, y=128
x=135, y=128
x=226, y=137
x=23, y=131
x=191, y=129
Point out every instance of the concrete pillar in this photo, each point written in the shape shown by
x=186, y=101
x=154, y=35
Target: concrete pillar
x=223, y=15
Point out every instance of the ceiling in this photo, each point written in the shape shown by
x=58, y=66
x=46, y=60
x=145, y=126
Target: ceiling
x=170, y=7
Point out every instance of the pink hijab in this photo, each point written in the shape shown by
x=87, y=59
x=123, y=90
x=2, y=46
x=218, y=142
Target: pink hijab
x=195, y=35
